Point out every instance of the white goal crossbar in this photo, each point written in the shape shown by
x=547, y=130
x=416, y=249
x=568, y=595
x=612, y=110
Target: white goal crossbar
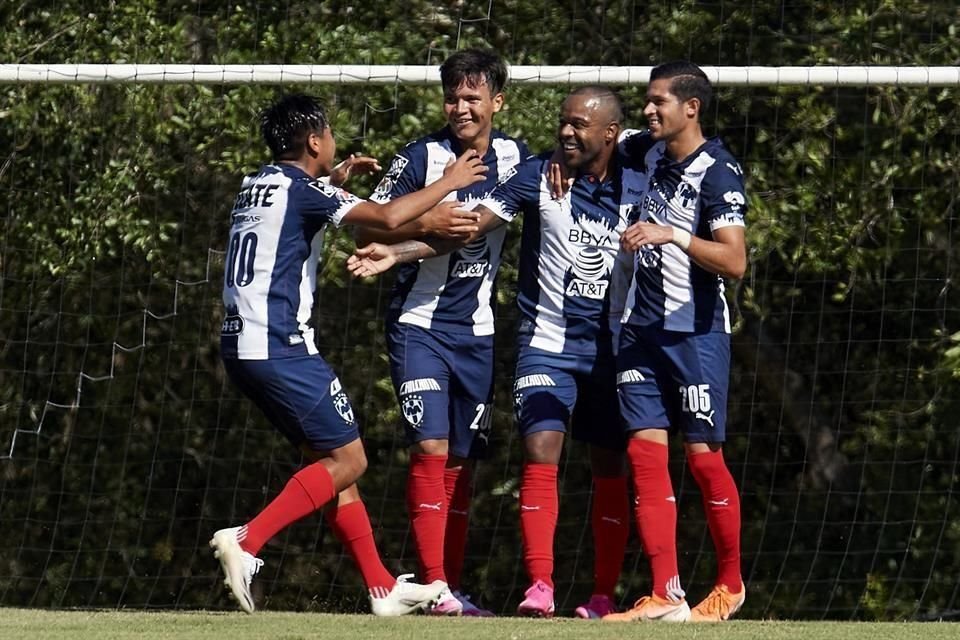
x=826, y=76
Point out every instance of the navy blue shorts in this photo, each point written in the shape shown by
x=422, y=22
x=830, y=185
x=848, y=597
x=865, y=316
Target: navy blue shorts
x=670, y=378
x=301, y=397
x=444, y=384
x=552, y=391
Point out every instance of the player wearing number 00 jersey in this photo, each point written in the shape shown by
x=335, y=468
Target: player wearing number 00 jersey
x=268, y=349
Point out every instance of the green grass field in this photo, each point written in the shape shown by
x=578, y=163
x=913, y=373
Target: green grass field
x=28, y=624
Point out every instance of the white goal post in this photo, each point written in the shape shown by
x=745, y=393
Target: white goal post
x=826, y=76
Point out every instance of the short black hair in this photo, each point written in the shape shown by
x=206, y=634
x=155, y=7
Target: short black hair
x=475, y=67
x=288, y=122
x=687, y=81
x=608, y=95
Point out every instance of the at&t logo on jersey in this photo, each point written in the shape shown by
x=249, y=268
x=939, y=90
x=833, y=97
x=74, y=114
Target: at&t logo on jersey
x=589, y=275
x=340, y=401
x=473, y=260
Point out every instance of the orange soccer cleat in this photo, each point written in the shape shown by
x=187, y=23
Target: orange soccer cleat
x=653, y=609
x=719, y=605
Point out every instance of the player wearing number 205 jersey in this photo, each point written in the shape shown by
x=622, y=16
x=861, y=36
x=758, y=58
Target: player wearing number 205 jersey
x=673, y=362
x=268, y=349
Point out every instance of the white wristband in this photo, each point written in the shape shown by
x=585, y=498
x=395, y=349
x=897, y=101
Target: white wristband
x=681, y=238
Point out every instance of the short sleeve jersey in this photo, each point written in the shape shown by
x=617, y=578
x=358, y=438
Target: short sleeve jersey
x=701, y=194
x=568, y=254
x=270, y=271
x=451, y=292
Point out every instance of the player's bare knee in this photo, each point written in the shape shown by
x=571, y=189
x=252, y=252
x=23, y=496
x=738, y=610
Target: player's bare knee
x=360, y=463
x=543, y=447
x=434, y=447
x=350, y=461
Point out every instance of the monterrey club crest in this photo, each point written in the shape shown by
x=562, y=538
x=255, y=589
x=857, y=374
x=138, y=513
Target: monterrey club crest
x=412, y=408
x=340, y=401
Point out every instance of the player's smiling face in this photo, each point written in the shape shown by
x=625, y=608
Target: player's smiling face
x=666, y=114
x=470, y=109
x=583, y=130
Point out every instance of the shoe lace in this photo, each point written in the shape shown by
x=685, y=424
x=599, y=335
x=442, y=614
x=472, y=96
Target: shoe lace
x=714, y=603
x=639, y=604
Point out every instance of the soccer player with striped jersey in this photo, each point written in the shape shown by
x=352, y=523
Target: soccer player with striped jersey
x=565, y=374
x=440, y=322
x=674, y=356
x=268, y=349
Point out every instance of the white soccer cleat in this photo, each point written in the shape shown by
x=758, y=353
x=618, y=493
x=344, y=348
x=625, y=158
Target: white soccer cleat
x=238, y=566
x=447, y=604
x=406, y=597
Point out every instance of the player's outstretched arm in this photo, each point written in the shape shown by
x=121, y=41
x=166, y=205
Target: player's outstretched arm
x=446, y=220
x=376, y=257
x=467, y=170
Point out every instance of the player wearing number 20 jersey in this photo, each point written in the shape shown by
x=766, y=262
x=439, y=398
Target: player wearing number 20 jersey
x=440, y=324
x=565, y=368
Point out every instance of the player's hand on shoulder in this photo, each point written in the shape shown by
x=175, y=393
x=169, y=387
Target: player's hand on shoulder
x=467, y=170
x=449, y=221
x=354, y=164
x=370, y=260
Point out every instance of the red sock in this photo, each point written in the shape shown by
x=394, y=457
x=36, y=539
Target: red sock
x=610, y=518
x=721, y=502
x=656, y=514
x=308, y=490
x=427, y=505
x=351, y=525
x=457, y=482
x=539, y=505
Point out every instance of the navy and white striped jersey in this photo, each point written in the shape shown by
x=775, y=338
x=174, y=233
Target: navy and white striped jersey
x=451, y=292
x=276, y=236
x=701, y=194
x=568, y=286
